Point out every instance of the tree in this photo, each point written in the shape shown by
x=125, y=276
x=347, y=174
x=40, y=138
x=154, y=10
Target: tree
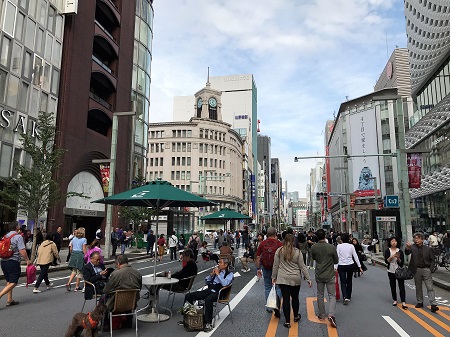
x=136, y=214
x=36, y=189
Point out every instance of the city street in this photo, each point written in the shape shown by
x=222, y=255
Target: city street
x=370, y=312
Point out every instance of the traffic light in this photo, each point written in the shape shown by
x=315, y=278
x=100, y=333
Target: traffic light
x=321, y=195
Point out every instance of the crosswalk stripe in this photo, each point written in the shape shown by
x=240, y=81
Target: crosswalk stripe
x=422, y=323
x=395, y=326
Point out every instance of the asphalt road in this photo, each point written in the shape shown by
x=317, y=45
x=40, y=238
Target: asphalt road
x=369, y=314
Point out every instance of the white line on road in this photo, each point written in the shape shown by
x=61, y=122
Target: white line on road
x=396, y=327
x=234, y=302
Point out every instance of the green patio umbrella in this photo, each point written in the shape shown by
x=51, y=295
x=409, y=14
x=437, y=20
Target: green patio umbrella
x=226, y=214
x=157, y=194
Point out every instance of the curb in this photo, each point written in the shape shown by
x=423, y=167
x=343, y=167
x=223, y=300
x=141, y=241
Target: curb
x=64, y=267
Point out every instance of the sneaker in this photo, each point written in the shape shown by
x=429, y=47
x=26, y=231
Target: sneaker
x=434, y=308
x=208, y=327
x=419, y=305
x=49, y=286
x=83, y=290
x=346, y=301
x=243, y=270
x=321, y=318
x=36, y=291
x=332, y=321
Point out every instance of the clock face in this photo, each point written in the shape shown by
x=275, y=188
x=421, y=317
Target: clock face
x=199, y=103
x=212, y=102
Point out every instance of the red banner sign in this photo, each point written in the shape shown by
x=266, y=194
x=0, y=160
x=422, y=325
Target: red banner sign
x=414, y=162
x=104, y=172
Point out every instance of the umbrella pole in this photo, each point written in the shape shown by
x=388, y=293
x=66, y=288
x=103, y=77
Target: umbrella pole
x=156, y=241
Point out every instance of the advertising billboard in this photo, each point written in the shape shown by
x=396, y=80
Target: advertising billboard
x=363, y=140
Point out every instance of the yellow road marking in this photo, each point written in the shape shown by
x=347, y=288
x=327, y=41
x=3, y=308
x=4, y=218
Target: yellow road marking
x=434, y=319
x=332, y=332
x=421, y=322
x=272, y=328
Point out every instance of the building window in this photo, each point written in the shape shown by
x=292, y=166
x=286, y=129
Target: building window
x=156, y=147
x=161, y=161
x=183, y=147
x=210, y=162
x=156, y=162
x=200, y=148
x=189, y=134
x=178, y=161
x=205, y=162
x=178, y=147
x=201, y=133
x=173, y=161
x=178, y=175
x=173, y=147
x=188, y=175
x=172, y=175
x=183, y=175
x=189, y=147
x=200, y=162
x=183, y=133
x=151, y=162
x=183, y=161
x=188, y=161
x=152, y=148
x=174, y=133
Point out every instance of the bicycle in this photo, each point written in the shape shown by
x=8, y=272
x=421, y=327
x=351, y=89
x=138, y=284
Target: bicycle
x=441, y=259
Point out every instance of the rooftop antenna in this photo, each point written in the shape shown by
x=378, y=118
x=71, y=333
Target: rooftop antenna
x=207, y=81
x=346, y=98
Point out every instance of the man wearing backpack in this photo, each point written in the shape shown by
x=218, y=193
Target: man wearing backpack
x=173, y=243
x=11, y=248
x=264, y=261
x=194, y=243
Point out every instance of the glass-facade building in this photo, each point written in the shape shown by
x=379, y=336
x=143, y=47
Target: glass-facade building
x=428, y=32
x=31, y=38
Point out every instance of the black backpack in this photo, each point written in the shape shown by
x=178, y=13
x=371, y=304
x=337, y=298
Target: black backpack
x=193, y=243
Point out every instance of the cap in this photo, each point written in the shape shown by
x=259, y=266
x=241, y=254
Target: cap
x=271, y=231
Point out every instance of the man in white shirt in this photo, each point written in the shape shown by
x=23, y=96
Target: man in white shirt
x=173, y=242
x=433, y=240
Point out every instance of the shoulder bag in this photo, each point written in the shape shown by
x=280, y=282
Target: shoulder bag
x=403, y=273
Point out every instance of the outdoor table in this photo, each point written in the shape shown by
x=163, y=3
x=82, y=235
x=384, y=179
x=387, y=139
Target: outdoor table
x=153, y=286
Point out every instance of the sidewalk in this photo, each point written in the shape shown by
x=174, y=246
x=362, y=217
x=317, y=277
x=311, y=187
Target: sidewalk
x=441, y=277
x=132, y=253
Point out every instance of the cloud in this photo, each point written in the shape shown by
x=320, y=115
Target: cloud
x=306, y=57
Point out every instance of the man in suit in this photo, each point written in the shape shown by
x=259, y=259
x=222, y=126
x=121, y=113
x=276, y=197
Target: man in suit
x=421, y=259
x=95, y=273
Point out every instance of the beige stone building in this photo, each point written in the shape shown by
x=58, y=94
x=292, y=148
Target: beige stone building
x=203, y=156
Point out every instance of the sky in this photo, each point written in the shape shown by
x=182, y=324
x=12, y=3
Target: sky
x=306, y=57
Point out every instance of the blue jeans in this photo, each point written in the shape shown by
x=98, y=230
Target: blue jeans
x=124, y=245
x=267, y=276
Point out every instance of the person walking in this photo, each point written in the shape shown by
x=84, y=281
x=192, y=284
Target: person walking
x=161, y=247
x=346, y=265
x=194, y=244
x=57, y=238
x=286, y=273
x=359, y=251
x=394, y=258
x=173, y=243
x=47, y=253
x=421, y=259
x=151, y=239
x=303, y=245
x=123, y=240
x=78, y=249
x=326, y=257
x=311, y=240
x=265, y=257
x=11, y=265
x=115, y=237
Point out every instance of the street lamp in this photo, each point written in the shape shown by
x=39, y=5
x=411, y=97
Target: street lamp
x=112, y=173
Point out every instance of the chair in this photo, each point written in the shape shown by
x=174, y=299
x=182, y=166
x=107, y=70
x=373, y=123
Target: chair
x=224, y=298
x=96, y=296
x=125, y=300
x=185, y=291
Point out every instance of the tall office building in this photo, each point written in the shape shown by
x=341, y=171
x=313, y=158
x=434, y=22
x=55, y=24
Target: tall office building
x=265, y=160
x=429, y=57
x=30, y=72
x=105, y=65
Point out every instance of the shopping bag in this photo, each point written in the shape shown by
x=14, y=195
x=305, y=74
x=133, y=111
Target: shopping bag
x=338, y=294
x=31, y=274
x=272, y=298
x=403, y=273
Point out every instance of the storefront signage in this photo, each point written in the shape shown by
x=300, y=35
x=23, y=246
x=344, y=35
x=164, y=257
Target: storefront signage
x=414, y=163
x=386, y=218
x=20, y=125
x=83, y=212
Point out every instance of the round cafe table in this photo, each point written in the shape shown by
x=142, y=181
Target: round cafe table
x=153, y=286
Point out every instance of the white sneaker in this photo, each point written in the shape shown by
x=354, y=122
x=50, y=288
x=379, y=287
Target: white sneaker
x=82, y=290
x=36, y=291
x=243, y=270
x=50, y=286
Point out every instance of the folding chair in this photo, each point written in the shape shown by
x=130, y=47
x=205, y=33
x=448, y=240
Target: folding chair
x=125, y=302
x=185, y=291
x=224, y=299
x=86, y=296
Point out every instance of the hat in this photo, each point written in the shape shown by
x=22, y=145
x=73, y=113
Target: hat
x=271, y=231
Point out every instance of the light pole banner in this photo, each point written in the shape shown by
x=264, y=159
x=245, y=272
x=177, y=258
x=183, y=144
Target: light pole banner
x=414, y=162
x=104, y=173
x=363, y=140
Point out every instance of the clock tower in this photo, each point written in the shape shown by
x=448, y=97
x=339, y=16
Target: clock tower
x=208, y=103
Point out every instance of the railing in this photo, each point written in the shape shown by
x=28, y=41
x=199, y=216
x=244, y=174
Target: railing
x=106, y=32
x=101, y=64
x=100, y=100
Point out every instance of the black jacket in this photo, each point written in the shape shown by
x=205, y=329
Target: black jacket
x=387, y=254
x=97, y=279
x=428, y=257
x=190, y=269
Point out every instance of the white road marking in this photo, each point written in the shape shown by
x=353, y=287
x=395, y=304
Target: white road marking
x=395, y=326
x=233, y=303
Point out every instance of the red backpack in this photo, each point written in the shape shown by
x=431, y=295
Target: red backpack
x=6, y=250
x=268, y=252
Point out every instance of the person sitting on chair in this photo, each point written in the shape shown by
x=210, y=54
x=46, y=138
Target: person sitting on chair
x=95, y=273
x=207, y=254
x=226, y=251
x=190, y=269
x=220, y=277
